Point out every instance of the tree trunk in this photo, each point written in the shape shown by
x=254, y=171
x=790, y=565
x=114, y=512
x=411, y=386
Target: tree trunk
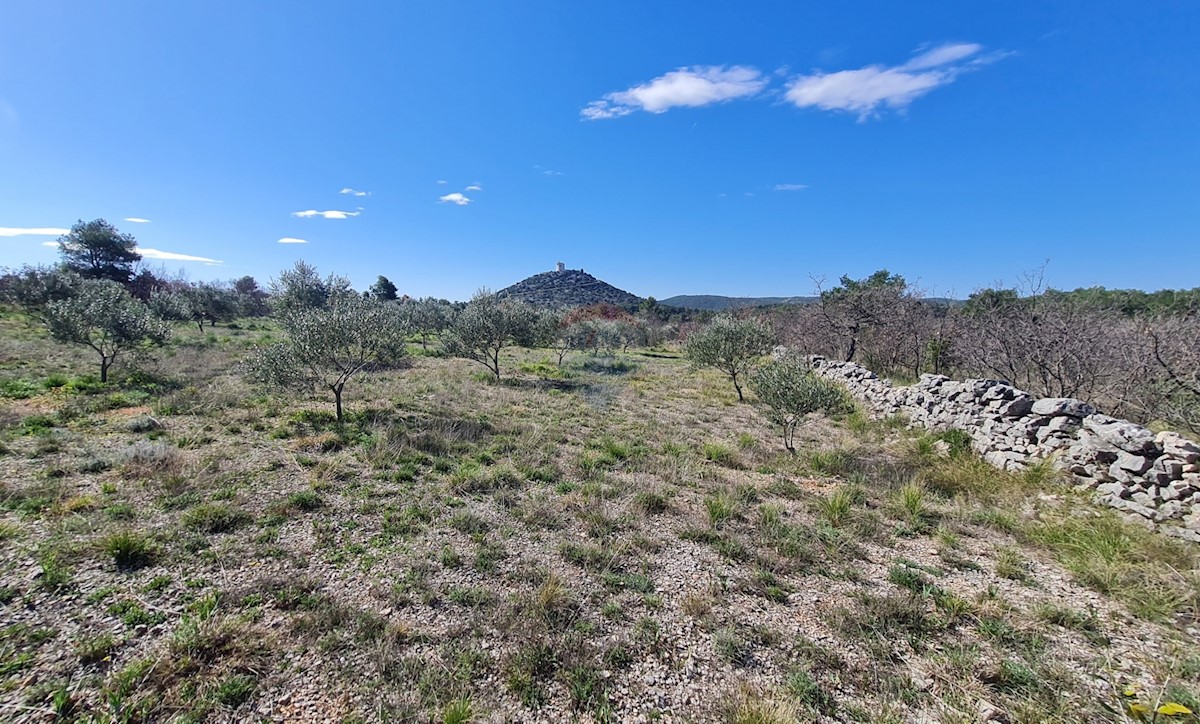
x=104, y=364
x=337, y=398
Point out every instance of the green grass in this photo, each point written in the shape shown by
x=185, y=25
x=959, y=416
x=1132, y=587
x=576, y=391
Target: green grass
x=129, y=549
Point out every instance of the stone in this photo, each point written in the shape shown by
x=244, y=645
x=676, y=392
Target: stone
x=1016, y=407
x=1135, y=464
x=1168, y=510
x=1171, y=467
x=1120, y=434
x=1177, y=446
x=1055, y=406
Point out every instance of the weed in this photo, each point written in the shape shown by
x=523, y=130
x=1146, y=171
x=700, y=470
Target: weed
x=129, y=549
x=215, y=518
x=721, y=508
x=1012, y=565
x=837, y=506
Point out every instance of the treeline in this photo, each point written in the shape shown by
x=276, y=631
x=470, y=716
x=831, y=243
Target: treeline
x=1134, y=355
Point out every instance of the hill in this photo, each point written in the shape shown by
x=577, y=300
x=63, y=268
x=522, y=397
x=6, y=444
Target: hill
x=718, y=303
x=568, y=288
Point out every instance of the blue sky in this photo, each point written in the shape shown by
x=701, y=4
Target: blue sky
x=667, y=148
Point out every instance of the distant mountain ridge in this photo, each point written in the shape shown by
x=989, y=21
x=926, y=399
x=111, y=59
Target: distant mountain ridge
x=568, y=288
x=717, y=303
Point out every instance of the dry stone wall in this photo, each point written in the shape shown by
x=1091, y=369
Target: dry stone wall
x=1155, y=477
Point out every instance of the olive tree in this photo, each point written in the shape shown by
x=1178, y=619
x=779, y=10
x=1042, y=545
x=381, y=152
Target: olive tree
x=429, y=317
x=486, y=326
x=730, y=345
x=301, y=287
x=792, y=392
x=100, y=314
x=326, y=346
x=32, y=288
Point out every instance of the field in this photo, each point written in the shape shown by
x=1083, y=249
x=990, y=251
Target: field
x=614, y=540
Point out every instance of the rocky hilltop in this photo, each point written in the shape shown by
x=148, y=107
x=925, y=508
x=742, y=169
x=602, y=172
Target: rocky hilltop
x=568, y=288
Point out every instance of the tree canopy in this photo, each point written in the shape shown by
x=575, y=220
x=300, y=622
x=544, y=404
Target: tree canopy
x=731, y=345
x=97, y=250
x=102, y=315
x=486, y=326
x=328, y=345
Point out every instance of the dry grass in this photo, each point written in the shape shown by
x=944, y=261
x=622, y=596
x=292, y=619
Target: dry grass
x=622, y=540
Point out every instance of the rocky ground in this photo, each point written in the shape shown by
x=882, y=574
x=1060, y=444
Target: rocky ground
x=618, y=540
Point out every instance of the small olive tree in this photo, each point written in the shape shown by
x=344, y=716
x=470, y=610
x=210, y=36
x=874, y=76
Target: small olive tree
x=328, y=345
x=100, y=314
x=793, y=392
x=730, y=345
x=486, y=326
x=32, y=288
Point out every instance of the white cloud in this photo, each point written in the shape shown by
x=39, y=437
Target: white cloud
x=136, y=220
x=50, y=243
x=552, y=172
x=37, y=231
x=865, y=90
x=352, y=192
x=697, y=86
x=292, y=240
x=790, y=187
x=441, y=181
x=174, y=256
x=474, y=187
x=454, y=198
x=326, y=214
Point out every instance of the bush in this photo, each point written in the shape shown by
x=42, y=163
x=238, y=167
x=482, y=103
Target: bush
x=793, y=392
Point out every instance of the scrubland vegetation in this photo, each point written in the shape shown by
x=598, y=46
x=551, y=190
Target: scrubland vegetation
x=371, y=510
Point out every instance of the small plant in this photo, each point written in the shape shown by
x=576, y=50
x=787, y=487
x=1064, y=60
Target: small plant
x=650, y=502
x=94, y=649
x=913, y=504
x=129, y=549
x=459, y=711
x=56, y=575
x=214, y=518
x=234, y=690
x=719, y=454
x=1012, y=565
x=730, y=646
x=793, y=393
x=721, y=508
x=837, y=507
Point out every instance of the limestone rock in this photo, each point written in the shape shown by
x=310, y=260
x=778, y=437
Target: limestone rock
x=1055, y=406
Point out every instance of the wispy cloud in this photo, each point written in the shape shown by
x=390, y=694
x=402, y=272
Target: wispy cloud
x=50, y=243
x=474, y=187
x=441, y=181
x=36, y=231
x=353, y=192
x=790, y=187
x=292, y=240
x=454, y=198
x=326, y=214
x=174, y=256
x=865, y=90
x=137, y=220
x=699, y=85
